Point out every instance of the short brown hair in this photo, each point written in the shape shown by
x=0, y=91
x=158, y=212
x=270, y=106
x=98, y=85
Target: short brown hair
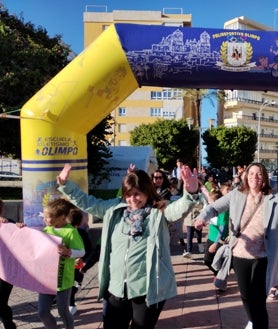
x=59, y=207
x=140, y=180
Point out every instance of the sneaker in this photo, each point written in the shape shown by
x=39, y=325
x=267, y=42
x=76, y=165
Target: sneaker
x=187, y=254
x=72, y=309
x=249, y=325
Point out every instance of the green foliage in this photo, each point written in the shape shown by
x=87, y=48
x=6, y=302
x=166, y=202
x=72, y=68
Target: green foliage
x=230, y=146
x=98, y=152
x=170, y=139
x=29, y=58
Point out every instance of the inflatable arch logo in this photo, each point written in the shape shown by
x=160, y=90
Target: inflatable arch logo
x=55, y=121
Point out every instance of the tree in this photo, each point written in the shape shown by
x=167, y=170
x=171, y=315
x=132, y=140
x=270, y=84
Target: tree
x=170, y=139
x=230, y=146
x=192, y=100
x=29, y=58
x=98, y=152
x=196, y=96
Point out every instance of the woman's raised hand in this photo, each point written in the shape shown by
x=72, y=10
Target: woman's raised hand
x=131, y=168
x=64, y=174
x=190, y=179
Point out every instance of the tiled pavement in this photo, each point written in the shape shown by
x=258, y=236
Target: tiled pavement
x=198, y=304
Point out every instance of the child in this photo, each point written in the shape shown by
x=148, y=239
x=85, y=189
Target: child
x=218, y=228
x=189, y=222
x=76, y=216
x=56, y=216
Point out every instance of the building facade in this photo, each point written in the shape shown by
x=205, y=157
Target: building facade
x=146, y=104
x=256, y=110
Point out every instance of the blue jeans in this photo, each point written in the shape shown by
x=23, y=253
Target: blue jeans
x=62, y=301
x=190, y=230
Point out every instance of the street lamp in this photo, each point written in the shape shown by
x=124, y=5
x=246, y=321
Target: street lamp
x=189, y=122
x=200, y=149
x=263, y=106
x=211, y=123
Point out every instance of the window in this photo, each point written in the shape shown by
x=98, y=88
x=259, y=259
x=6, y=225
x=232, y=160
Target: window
x=156, y=95
x=176, y=94
x=122, y=111
x=155, y=111
x=167, y=94
x=168, y=114
x=123, y=143
x=121, y=128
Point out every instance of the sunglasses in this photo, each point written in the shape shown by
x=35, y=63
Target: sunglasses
x=158, y=177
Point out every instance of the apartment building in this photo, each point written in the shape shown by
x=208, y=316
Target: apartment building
x=253, y=109
x=146, y=104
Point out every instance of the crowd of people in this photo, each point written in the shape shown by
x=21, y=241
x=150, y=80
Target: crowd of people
x=135, y=273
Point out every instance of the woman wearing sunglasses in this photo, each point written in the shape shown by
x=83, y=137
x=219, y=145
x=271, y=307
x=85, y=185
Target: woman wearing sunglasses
x=162, y=184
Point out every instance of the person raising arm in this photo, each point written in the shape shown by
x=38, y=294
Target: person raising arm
x=136, y=276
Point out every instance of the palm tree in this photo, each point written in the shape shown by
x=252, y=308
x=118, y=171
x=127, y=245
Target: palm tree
x=192, y=100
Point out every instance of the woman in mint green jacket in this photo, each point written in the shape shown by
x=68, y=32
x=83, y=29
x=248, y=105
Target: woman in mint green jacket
x=136, y=276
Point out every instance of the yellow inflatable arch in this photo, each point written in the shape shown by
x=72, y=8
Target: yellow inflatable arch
x=55, y=121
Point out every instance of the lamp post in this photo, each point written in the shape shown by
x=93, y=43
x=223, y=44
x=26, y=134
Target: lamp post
x=200, y=150
x=211, y=123
x=189, y=122
x=263, y=106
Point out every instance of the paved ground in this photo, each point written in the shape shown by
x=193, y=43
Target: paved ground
x=198, y=304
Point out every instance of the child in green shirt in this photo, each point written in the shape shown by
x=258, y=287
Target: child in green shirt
x=56, y=217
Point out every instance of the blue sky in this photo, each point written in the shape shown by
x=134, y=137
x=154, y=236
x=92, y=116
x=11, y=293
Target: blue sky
x=65, y=17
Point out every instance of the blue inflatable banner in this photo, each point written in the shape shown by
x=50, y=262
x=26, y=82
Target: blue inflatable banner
x=201, y=57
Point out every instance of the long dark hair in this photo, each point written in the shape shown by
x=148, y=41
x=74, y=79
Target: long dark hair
x=265, y=189
x=166, y=182
x=140, y=180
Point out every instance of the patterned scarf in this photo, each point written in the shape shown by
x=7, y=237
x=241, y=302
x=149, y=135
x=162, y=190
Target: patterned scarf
x=135, y=219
